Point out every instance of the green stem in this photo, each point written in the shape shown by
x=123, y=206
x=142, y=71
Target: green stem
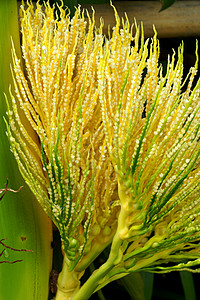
x=68, y=282
x=92, y=283
x=114, y=258
x=116, y=253
x=98, y=245
x=99, y=292
x=101, y=295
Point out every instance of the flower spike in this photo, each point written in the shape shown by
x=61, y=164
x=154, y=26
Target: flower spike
x=68, y=169
x=117, y=157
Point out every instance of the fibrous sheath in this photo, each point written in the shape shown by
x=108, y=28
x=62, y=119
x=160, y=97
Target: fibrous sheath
x=118, y=142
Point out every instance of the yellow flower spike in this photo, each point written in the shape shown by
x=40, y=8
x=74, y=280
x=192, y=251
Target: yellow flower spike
x=23, y=224
x=110, y=127
x=156, y=157
x=153, y=139
x=68, y=169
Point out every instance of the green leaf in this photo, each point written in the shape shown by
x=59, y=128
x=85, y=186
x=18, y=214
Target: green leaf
x=188, y=285
x=148, y=279
x=22, y=222
x=166, y=4
x=134, y=285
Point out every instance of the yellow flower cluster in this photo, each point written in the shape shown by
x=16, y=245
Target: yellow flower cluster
x=67, y=167
x=117, y=156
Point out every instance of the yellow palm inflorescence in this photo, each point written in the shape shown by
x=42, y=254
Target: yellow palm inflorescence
x=69, y=169
x=117, y=158
x=152, y=133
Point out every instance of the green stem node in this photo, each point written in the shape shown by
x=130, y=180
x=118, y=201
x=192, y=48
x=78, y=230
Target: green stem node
x=68, y=281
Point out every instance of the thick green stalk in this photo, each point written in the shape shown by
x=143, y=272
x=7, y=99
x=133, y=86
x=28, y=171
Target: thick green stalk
x=68, y=281
x=115, y=257
x=22, y=222
x=98, y=277
x=92, y=283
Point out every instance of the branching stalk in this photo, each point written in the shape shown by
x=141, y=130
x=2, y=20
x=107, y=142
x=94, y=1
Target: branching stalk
x=68, y=281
